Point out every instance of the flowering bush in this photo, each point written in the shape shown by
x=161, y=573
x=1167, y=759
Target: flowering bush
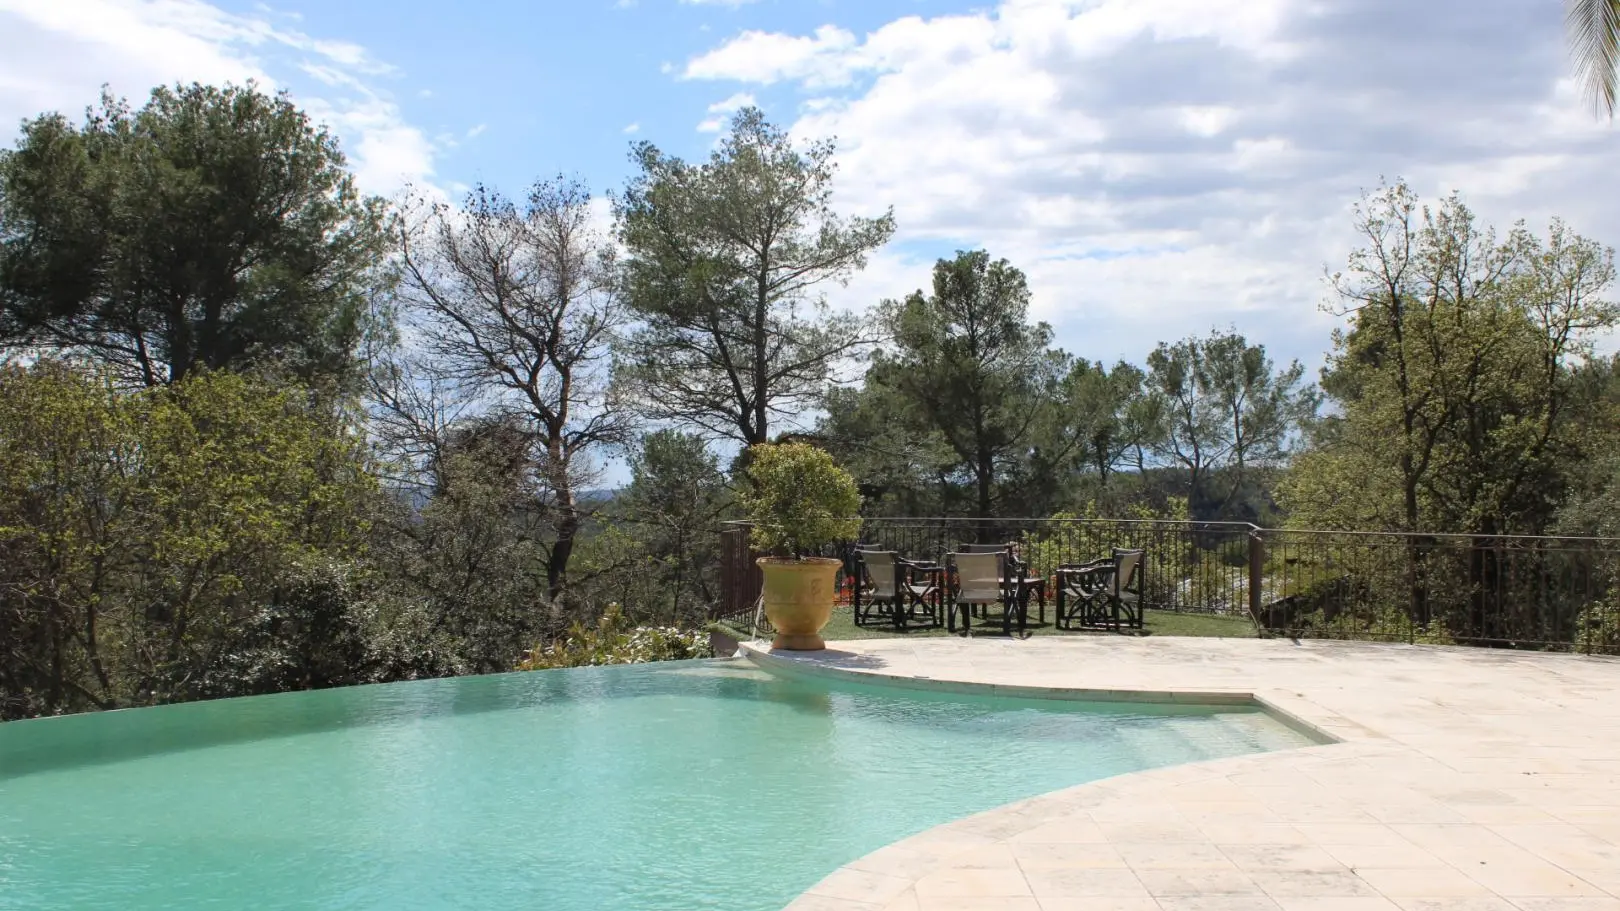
x=614, y=641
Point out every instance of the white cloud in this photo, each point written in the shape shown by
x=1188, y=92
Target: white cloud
x=829, y=57
x=632, y=128
x=1159, y=167
x=731, y=3
x=477, y=131
x=721, y=110
x=56, y=55
x=1207, y=120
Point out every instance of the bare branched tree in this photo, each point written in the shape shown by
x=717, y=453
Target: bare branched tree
x=512, y=306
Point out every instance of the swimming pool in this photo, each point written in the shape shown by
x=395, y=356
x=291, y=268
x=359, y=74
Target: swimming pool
x=659, y=787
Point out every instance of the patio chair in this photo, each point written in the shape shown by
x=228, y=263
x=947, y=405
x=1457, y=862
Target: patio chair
x=1008, y=561
x=981, y=580
x=1014, y=570
x=1105, y=594
x=897, y=588
x=851, y=584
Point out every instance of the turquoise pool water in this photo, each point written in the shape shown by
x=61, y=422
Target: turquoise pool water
x=672, y=787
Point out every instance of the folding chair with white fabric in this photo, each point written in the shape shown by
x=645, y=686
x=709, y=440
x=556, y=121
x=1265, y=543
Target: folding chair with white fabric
x=896, y=588
x=980, y=580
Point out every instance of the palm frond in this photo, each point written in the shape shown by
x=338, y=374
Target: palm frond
x=1594, y=35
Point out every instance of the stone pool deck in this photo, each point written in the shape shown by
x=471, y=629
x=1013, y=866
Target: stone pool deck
x=1464, y=780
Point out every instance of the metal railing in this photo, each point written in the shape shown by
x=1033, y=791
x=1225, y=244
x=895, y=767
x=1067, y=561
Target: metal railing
x=1509, y=591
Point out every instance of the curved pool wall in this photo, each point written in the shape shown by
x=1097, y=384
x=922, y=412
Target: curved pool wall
x=814, y=665
x=687, y=785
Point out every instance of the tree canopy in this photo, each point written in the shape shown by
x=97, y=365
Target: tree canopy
x=966, y=363
x=214, y=227
x=725, y=263
x=1462, y=379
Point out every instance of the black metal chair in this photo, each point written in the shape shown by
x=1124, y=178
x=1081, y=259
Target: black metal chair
x=896, y=588
x=1102, y=594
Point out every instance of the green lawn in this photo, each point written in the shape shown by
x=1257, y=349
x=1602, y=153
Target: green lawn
x=1159, y=623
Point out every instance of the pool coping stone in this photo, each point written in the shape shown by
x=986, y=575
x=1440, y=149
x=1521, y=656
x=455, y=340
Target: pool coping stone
x=1444, y=779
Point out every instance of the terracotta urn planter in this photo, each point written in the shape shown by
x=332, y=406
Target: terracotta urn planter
x=800, y=502
x=799, y=599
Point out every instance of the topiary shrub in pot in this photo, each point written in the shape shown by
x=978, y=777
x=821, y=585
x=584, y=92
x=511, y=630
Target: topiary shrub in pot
x=801, y=502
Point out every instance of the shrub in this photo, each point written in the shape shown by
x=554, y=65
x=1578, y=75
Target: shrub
x=153, y=539
x=801, y=500
x=614, y=641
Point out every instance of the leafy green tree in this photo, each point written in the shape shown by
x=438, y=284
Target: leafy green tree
x=1458, y=381
x=465, y=573
x=725, y=263
x=1221, y=406
x=160, y=544
x=1095, y=405
x=968, y=364
x=1193, y=433
x=214, y=227
x=1263, y=407
x=677, y=497
x=904, y=468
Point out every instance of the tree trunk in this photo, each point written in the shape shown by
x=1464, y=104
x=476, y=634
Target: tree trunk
x=1416, y=554
x=180, y=345
x=557, y=564
x=1484, y=581
x=761, y=361
x=984, y=475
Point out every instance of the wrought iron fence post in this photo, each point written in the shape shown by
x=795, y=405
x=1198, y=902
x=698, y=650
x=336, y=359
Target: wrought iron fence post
x=1257, y=571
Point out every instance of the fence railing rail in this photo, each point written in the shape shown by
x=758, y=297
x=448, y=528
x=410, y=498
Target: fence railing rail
x=1509, y=591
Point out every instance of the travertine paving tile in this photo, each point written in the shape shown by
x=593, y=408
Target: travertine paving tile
x=1456, y=904
x=851, y=885
x=973, y=881
x=811, y=902
x=1384, y=856
x=1338, y=903
x=1298, y=858
x=905, y=901
x=1301, y=884
x=1421, y=882
x=976, y=903
x=1048, y=884
x=1599, y=903
x=1216, y=903
x=1462, y=780
x=1163, y=883
x=1173, y=856
x=1101, y=903
x=1037, y=856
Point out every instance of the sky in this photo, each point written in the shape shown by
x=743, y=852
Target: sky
x=1159, y=168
